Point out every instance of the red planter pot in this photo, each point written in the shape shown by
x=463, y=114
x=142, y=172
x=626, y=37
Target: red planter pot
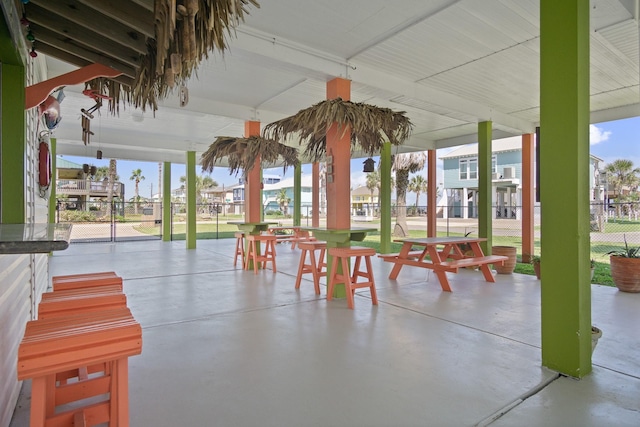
x=625, y=273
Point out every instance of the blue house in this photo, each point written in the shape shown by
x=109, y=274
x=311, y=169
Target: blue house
x=271, y=191
x=461, y=179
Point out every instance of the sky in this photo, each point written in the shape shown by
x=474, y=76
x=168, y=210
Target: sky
x=609, y=141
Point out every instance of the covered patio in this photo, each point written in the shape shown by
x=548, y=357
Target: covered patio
x=222, y=346
x=225, y=347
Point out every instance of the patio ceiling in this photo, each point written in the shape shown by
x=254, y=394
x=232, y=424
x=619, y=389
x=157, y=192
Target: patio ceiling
x=448, y=63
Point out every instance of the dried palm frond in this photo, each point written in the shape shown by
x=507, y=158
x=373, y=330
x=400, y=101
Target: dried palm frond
x=242, y=153
x=370, y=126
x=205, y=26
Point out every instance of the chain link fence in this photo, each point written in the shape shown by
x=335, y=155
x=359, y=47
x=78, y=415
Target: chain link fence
x=610, y=223
x=97, y=221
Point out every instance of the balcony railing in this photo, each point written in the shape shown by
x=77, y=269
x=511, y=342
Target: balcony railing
x=85, y=187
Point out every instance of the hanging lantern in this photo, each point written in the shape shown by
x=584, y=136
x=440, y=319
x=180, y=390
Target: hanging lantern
x=94, y=170
x=369, y=165
x=99, y=154
x=85, y=168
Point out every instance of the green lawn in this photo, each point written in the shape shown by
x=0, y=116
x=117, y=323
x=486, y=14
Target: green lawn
x=621, y=226
x=601, y=276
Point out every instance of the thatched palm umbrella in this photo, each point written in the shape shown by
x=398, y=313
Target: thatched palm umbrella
x=370, y=126
x=184, y=36
x=242, y=153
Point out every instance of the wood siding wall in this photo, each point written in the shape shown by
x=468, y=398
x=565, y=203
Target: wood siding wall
x=23, y=278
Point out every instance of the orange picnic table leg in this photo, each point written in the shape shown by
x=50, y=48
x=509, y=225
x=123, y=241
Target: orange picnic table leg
x=404, y=253
x=486, y=271
x=441, y=274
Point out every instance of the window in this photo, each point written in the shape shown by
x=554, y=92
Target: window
x=463, y=169
x=468, y=168
x=473, y=168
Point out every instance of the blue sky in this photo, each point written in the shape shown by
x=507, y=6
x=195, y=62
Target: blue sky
x=609, y=141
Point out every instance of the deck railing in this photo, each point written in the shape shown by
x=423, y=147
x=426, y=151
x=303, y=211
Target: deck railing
x=86, y=187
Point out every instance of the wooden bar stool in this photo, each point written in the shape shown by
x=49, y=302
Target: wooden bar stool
x=342, y=256
x=254, y=254
x=77, y=301
x=314, y=267
x=65, y=343
x=75, y=281
x=239, y=252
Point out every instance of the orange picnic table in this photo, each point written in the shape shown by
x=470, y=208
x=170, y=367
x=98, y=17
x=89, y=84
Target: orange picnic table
x=447, y=255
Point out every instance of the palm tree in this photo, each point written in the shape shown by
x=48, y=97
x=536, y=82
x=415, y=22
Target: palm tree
x=418, y=185
x=136, y=175
x=112, y=177
x=283, y=200
x=208, y=182
x=102, y=172
x=202, y=183
x=403, y=165
x=621, y=174
x=373, y=182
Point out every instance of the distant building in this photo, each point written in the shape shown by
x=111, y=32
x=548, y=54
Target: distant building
x=363, y=202
x=461, y=179
x=76, y=183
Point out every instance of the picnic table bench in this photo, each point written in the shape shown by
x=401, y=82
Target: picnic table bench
x=442, y=261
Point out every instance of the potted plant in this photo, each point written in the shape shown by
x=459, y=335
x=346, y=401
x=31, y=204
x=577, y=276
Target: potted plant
x=535, y=261
x=625, y=267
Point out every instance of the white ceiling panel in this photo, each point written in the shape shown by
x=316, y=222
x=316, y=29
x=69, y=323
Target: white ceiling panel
x=448, y=63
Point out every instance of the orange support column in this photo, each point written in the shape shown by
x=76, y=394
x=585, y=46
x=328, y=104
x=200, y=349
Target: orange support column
x=432, y=195
x=527, y=197
x=339, y=148
x=315, y=194
x=252, y=199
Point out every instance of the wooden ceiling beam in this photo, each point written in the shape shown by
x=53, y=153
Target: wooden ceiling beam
x=67, y=45
x=77, y=61
x=81, y=37
x=128, y=13
x=147, y=4
x=94, y=21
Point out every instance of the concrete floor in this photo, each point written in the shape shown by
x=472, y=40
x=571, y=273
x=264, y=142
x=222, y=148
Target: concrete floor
x=225, y=347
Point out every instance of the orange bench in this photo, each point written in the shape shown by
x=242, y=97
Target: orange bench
x=68, y=343
x=76, y=301
x=75, y=281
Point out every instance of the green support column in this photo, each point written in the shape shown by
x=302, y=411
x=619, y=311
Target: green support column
x=385, y=198
x=484, y=185
x=191, y=200
x=166, y=201
x=12, y=134
x=52, y=192
x=297, y=194
x=564, y=186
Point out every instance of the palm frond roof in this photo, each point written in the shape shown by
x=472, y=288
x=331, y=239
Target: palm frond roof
x=242, y=153
x=196, y=29
x=370, y=126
